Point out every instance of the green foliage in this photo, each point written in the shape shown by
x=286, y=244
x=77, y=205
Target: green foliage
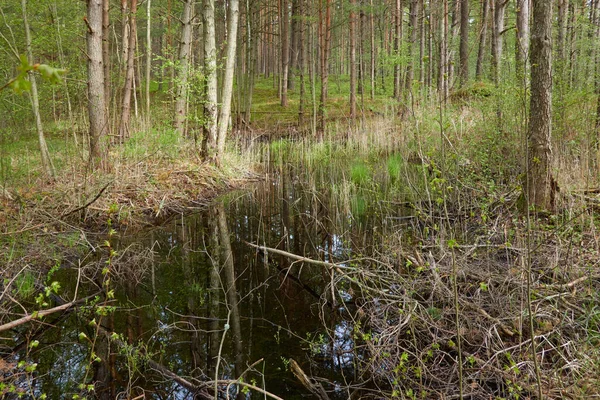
x=360, y=173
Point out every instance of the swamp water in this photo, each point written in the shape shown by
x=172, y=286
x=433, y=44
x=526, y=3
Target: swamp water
x=201, y=276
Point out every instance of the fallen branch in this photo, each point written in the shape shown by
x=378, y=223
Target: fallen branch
x=89, y=203
x=314, y=387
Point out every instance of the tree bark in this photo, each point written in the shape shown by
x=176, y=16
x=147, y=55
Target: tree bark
x=209, y=145
x=148, y=55
x=412, y=23
x=397, y=47
x=35, y=102
x=352, y=61
x=106, y=49
x=96, y=100
x=129, y=77
x=540, y=185
x=497, y=31
x=225, y=113
x=522, y=43
x=482, y=39
x=464, y=41
x=285, y=52
x=325, y=39
x=185, y=48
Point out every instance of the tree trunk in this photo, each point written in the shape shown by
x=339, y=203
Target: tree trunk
x=412, y=23
x=285, y=51
x=325, y=39
x=522, y=43
x=185, y=48
x=302, y=54
x=96, y=99
x=464, y=41
x=482, y=39
x=225, y=114
x=498, y=29
x=397, y=47
x=129, y=77
x=148, y=56
x=106, y=49
x=372, y=32
x=35, y=103
x=352, y=61
x=443, y=68
x=540, y=185
x=294, y=44
x=209, y=145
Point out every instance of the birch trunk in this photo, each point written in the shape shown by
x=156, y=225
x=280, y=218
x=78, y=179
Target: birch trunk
x=482, y=39
x=128, y=88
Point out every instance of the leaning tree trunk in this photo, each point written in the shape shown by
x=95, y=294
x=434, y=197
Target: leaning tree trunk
x=96, y=99
x=223, y=125
x=540, y=186
x=209, y=145
x=183, y=68
x=35, y=103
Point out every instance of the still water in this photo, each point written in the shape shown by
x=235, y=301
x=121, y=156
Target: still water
x=197, y=299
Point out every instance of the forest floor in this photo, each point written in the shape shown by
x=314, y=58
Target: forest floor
x=466, y=175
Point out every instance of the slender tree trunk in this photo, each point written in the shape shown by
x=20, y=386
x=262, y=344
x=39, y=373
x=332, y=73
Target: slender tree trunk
x=397, y=47
x=106, y=49
x=301, y=60
x=352, y=61
x=540, y=182
x=482, y=38
x=294, y=44
x=129, y=78
x=148, y=56
x=325, y=39
x=225, y=114
x=443, y=67
x=285, y=51
x=464, y=41
x=96, y=100
x=373, y=50
x=35, y=103
x=183, y=68
x=412, y=23
x=522, y=43
x=209, y=146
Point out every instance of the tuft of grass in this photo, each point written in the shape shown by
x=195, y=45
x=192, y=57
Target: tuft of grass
x=394, y=167
x=360, y=173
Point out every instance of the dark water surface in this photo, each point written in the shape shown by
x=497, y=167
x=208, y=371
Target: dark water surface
x=201, y=276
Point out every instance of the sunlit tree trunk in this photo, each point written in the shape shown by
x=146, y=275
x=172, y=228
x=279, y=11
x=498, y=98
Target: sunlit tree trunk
x=225, y=113
x=464, y=42
x=540, y=186
x=482, y=39
x=497, y=31
x=96, y=100
x=183, y=68
x=35, y=103
x=209, y=146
